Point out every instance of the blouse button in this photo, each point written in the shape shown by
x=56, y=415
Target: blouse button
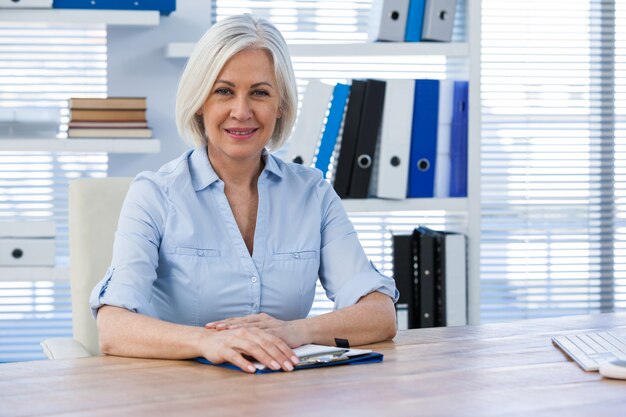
x=253, y=279
x=200, y=252
x=296, y=255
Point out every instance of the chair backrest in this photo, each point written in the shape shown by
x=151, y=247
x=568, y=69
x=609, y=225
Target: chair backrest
x=94, y=209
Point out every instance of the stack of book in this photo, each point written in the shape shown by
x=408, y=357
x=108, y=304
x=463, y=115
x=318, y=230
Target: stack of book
x=113, y=117
x=390, y=139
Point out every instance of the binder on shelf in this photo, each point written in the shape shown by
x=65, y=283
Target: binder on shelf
x=333, y=125
x=403, y=276
x=444, y=125
x=425, y=274
x=165, y=7
x=308, y=128
x=414, y=21
x=349, y=137
x=25, y=4
x=369, y=130
x=451, y=279
x=459, y=140
x=395, y=140
x=438, y=20
x=388, y=20
x=422, y=163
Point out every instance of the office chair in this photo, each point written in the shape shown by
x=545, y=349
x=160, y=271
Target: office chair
x=94, y=208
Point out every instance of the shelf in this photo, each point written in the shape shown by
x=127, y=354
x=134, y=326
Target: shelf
x=31, y=273
x=107, y=17
x=183, y=49
x=82, y=145
x=411, y=204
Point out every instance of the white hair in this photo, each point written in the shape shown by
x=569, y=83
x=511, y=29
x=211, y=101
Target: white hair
x=218, y=45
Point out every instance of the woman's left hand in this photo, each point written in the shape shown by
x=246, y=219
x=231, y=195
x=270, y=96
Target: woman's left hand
x=290, y=331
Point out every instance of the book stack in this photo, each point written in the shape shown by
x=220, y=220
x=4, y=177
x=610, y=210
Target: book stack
x=112, y=117
x=391, y=139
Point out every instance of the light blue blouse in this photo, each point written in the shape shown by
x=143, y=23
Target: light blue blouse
x=179, y=256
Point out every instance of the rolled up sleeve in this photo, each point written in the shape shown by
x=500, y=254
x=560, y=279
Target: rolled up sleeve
x=128, y=281
x=345, y=272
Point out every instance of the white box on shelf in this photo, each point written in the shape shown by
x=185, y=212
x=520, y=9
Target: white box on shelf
x=33, y=229
x=27, y=252
x=27, y=243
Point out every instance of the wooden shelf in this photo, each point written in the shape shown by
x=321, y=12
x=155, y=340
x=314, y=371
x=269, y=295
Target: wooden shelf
x=82, y=145
x=410, y=204
x=34, y=273
x=183, y=49
x=107, y=17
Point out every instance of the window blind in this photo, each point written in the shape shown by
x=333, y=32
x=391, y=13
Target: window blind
x=41, y=66
x=323, y=22
x=553, y=158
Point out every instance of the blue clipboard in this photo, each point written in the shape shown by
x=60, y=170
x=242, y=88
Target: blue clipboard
x=372, y=357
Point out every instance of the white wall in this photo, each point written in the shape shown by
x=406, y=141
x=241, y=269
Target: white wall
x=138, y=67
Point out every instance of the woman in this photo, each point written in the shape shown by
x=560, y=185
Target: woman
x=217, y=254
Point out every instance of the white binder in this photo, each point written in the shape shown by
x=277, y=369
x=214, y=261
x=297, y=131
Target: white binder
x=395, y=140
x=388, y=20
x=455, y=255
x=438, y=20
x=444, y=126
x=309, y=125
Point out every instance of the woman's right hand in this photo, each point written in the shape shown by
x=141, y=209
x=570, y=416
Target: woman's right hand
x=232, y=345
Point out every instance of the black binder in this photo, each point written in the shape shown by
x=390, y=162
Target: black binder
x=403, y=275
x=440, y=279
x=425, y=276
x=369, y=131
x=349, y=137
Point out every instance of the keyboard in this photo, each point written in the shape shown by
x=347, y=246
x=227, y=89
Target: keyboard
x=589, y=350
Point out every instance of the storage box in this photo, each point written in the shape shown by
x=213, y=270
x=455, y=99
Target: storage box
x=27, y=252
x=27, y=230
x=27, y=243
x=165, y=7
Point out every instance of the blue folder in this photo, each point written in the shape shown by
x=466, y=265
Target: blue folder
x=165, y=7
x=424, y=139
x=458, y=140
x=372, y=357
x=414, y=21
x=333, y=124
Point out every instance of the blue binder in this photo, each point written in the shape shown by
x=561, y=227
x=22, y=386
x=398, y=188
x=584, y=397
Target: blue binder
x=424, y=139
x=372, y=357
x=458, y=140
x=165, y=7
x=333, y=124
x=414, y=21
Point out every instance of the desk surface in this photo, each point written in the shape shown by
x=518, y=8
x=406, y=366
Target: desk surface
x=490, y=370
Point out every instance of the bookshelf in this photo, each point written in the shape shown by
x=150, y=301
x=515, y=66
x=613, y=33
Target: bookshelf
x=107, y=17
x=467, y=53
x=81, y=145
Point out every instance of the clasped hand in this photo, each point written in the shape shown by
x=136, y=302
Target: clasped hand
x=260, y=336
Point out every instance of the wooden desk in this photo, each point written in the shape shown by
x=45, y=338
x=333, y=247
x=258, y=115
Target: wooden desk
x=491, y=370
